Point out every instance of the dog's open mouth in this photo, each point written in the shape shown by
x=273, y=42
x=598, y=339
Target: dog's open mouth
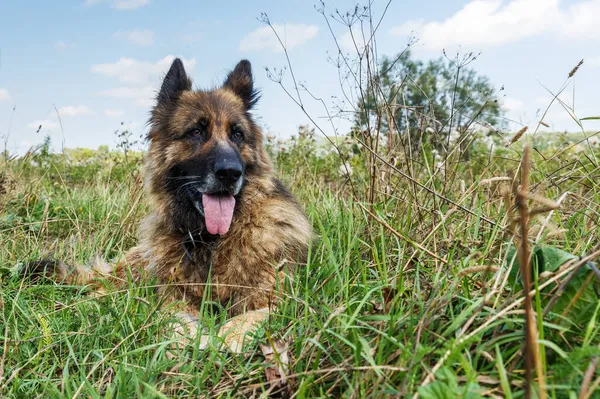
x=218, y=212
x=217, y=209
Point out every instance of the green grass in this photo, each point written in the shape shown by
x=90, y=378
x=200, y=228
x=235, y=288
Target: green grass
x=370, y=315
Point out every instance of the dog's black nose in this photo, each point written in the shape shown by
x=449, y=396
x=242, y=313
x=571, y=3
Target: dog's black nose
x=228, y=171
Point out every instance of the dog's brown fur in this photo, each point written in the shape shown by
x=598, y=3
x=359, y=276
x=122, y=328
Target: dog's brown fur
x=268, y=226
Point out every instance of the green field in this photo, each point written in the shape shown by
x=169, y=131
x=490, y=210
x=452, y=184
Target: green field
x=407, y=290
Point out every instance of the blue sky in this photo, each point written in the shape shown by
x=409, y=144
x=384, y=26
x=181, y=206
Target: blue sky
x=100, y=61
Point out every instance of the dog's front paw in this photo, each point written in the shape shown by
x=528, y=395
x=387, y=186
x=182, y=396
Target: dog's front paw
x=237, y=331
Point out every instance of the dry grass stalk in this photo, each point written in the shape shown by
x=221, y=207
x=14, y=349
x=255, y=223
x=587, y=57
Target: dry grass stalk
x=494, y=179
x=477, y=269
x=586, y=392
x=532, y=356
x=402, y=237
x=508, y=309
x=547, y=220
x=530, y=334
x=551, y=205
x=541, y=210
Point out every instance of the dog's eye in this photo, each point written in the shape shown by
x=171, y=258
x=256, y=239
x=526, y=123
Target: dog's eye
x=200, y=129
x=237, y=133
x=196, y=132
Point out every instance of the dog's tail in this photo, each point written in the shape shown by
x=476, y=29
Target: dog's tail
x=94, y=274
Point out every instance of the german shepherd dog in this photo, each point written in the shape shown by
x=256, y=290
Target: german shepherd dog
x=219, y=217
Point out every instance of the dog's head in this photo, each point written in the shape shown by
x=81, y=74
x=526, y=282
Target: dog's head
x=203, y=147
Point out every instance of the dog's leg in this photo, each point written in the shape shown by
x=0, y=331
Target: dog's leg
x=233, y=334
x=185, y=328
x=237, y=330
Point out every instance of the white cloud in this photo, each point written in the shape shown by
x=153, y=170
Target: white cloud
x=53, y=122
x=139, y=79
x=354, y=41
x=24, y=144
x=512, y=104
x=191, y=38
x=119, y=4
x=558, y=114
x=131, y=71
x=544, y=101
x=74, y=110
x=141, y=96
x=347, y=43
x=594, y=61
x=45, y=124
x=292, y=35
x=488, y=23
x=60, y=45
x=580, y=21
x=130, y=4
x=4, y=96
x=485, y=23
x=113, y=113
x=137, y=37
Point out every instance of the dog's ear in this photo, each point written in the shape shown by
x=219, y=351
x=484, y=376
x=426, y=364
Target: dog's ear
x=176, y=81
x=240, y=81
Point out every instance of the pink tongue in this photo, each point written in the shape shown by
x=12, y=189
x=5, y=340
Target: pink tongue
x=218, y=212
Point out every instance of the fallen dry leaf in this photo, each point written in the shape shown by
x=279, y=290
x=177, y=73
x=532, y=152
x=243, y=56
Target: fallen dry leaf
x=389, y=293
x=279, y=359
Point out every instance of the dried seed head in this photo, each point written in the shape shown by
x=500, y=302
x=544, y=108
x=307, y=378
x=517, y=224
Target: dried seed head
x=574, y=70
x=518, y=135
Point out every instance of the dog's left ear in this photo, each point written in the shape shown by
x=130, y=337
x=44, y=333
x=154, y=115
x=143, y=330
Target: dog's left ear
x=240, y=81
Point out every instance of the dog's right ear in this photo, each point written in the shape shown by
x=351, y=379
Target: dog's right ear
x=175, y=82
